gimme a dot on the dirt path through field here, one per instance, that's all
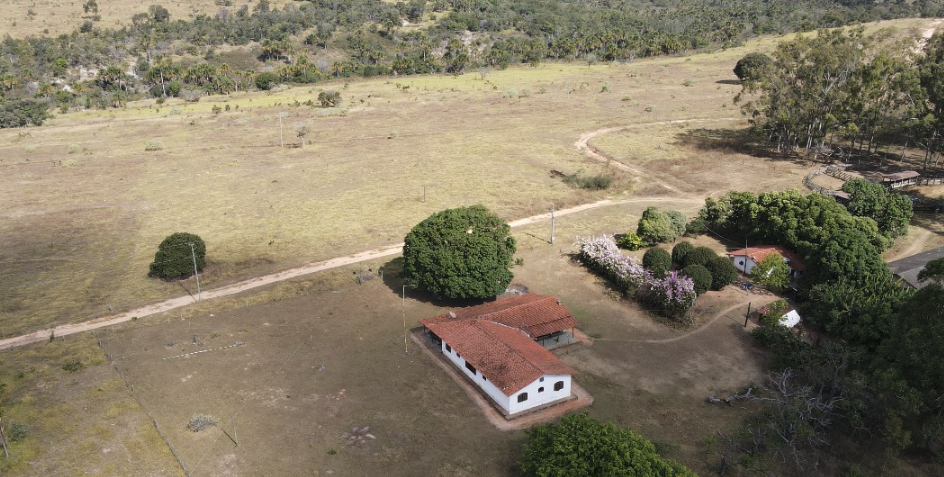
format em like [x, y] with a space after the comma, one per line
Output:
[252, 283]
[926, 35]
[583, 145]
[257, 282]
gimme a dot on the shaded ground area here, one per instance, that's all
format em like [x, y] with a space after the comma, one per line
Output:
[75, 415]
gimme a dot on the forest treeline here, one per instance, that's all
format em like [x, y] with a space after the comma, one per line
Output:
[872, 377]
[844, 92]
[156, 55]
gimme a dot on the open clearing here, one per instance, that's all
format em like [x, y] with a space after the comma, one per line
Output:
[314, 367]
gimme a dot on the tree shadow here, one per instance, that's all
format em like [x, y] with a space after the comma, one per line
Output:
[733, 141]
[391, 273]
[729, 82]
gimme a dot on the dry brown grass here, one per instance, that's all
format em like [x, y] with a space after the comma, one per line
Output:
[55, 17]
[79, 230]
[79, 423]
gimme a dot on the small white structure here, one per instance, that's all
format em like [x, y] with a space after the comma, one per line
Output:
[747, 258]
[489, 344]
[790, 319]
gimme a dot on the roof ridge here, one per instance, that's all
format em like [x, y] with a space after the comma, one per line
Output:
[508, 346]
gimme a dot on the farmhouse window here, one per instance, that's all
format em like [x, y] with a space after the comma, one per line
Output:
[541, 389]
[522, 397]
[470, 367]
[558, 385]
[542, 379]
[448, 349]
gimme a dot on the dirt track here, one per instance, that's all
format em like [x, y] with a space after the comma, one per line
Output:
[252, 283]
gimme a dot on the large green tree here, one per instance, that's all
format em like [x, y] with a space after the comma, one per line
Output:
[772, 271]
[459, 253]
[175, 257]
[910, 371]
[580, 446]
[891, 211]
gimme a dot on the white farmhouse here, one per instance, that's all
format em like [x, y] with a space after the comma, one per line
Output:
[747, 258]
[496, 346]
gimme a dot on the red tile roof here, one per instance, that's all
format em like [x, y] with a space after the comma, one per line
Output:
[536, 315]
[758, 253]
[506, 355]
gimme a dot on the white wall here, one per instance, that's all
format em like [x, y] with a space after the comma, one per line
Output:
[536, 397]
[510, 403]
[738, 262]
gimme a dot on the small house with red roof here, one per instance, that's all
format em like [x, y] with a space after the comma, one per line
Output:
[496, 346]
[747, 258]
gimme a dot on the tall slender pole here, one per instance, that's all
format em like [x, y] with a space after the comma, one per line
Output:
[403, 310]
[747, 256]
[281, 137]
[552, 224]
[193, 255]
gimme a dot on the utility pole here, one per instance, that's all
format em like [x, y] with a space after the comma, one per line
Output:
[281, 137]
[747, 316]
[552, 224]
[403, 310]
[747, 256]
[193, 255]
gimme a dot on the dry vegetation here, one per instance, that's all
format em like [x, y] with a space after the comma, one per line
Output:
[80, 422]
[83, 207]
[54, 17]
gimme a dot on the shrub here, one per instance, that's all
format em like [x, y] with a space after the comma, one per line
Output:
[265, 81]
[173, 88]
[595, 182]
[774, 312]
[700, 276]
[580, 445]
[631, 241]
[17, 113]
[73, 365]
[200, 422]
[696, 227]
[723, 272]
[601, 255]
[656, 226]
[699, 256]
[153, 145]
[329, 99]
[680, 250]
[678, 221]
[657, 260]
[674, 294]
[174, 257]
[17, 431]
[459, 253]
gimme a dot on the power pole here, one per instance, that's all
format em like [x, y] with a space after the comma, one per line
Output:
[552, 224]
[281, 137]
[193, 255]
[403, 311]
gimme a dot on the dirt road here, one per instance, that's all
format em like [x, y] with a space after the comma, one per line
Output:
[583, 145]
[252, 283]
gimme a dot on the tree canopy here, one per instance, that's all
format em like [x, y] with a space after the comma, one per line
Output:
[753, 67]
[174, 258]
[772, 271]
[656, 226]
[582, 446]
[459, 253]
[890, 210]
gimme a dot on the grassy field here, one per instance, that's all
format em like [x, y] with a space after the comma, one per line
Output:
[84, 205]
[313, 367]
[76, 420]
